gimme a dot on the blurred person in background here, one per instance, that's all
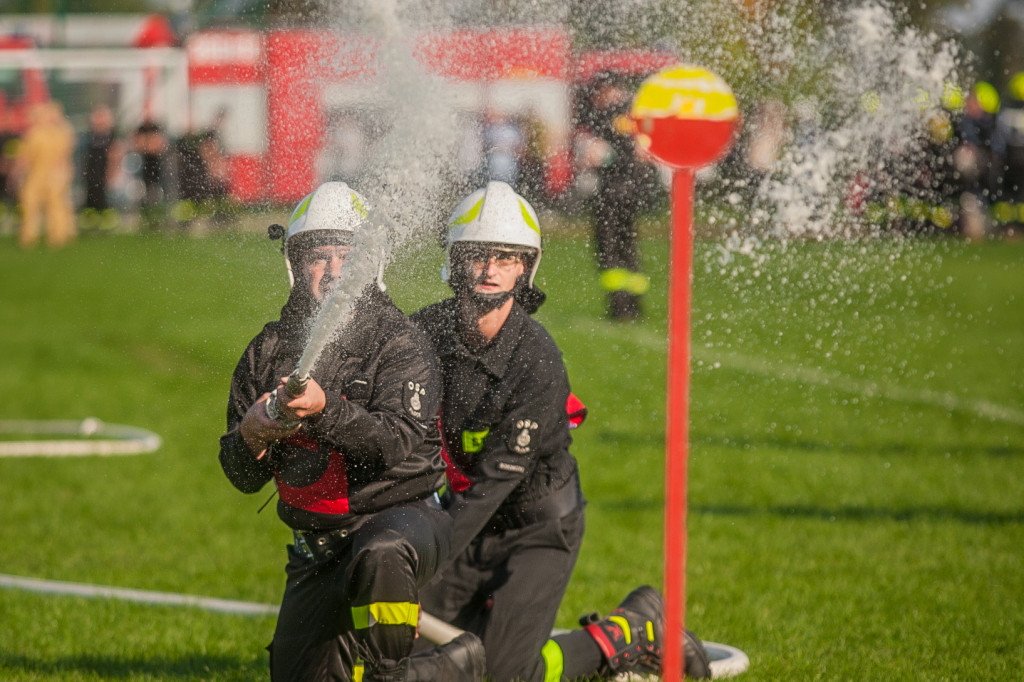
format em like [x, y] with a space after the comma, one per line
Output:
[766, 138]
[1008, 154]
[43, 169]
[974, 132]
[102, 154]
[151, 143]
[626, 186]
[532, 164]
[503, 146]
[973, 159]
[9, 140]
[203, 165]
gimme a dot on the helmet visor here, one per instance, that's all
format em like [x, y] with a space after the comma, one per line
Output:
[315, 238]
[483, 254]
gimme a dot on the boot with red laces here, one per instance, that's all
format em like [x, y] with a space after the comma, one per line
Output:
[631, 636]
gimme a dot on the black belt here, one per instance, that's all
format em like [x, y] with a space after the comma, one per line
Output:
[556, 505]
[319, 545]
[322, 544]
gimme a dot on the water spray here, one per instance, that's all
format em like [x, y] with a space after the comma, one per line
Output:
[362, 268]
[857, 51]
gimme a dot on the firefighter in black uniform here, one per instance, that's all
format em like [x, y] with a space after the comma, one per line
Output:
[518, 507]
[351, 458]
[626, 186]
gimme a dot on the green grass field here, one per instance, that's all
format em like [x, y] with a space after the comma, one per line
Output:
[856, 474]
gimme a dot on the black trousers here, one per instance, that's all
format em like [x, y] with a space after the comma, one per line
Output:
[358, 605]
[616, 207]
[506, 589]
[615, 213]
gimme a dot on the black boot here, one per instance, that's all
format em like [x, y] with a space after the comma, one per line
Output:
[623, 305]
[695, 656]
[460, 660]
[388, 671]
[631, 636]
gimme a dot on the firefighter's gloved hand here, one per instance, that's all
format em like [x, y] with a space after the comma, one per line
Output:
[309, 403]
[259, 430]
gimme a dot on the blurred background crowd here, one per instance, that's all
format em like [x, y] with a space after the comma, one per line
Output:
[122, 121]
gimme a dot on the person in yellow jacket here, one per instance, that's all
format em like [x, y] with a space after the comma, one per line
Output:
[43, 168]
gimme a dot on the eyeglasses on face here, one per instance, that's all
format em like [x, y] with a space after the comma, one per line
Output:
[323, 254]
[483, 257]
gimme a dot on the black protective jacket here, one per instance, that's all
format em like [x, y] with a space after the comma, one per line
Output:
[625, 179]
[504, 421]
[369, 448]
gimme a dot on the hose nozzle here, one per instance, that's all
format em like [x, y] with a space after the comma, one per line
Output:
[294, 387]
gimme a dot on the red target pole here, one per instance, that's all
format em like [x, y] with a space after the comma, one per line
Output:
[677, 408]
[685, 117]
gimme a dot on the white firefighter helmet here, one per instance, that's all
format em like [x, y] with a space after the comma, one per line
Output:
[494, 215]
[338, 212]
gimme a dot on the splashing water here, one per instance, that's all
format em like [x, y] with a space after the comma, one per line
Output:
[405, 177]
[416, 151]
[883, 85]
[362, 267]
[854, 89]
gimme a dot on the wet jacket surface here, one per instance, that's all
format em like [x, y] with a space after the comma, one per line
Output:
[503, 418]
[369, 448]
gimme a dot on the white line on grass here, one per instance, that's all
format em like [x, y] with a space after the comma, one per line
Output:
[815, 376]
[726, 661]
[866, 387]
[139, 596]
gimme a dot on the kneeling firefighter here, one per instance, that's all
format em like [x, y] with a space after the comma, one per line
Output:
[506, 412]
[350, 455]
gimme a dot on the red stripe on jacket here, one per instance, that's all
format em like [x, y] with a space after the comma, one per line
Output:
[328, 495]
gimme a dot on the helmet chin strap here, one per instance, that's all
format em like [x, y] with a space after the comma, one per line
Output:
[485, 303]
[464, 284]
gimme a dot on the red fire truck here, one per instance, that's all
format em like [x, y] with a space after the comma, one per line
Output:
[296, 105]
[19, 88]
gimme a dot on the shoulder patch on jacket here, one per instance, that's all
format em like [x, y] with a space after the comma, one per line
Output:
[413, 401]
[522, 435]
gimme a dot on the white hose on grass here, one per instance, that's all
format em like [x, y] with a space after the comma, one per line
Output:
[88, 436]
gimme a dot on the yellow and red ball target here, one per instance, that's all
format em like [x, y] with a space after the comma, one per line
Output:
[685, 116]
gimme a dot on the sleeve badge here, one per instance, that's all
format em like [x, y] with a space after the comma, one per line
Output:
[414, 393]
[522, 435]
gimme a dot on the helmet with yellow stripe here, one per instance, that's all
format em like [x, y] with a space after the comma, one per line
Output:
[497, 217]
[332, 214]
